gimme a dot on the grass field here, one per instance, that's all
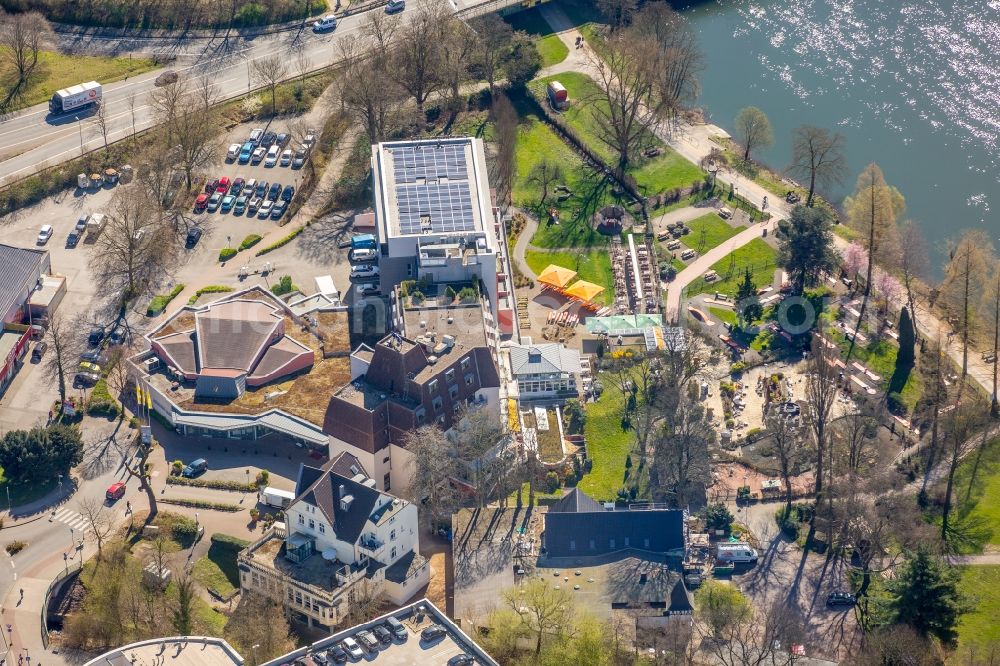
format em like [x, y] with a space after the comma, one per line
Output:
[608, 445]
[756, 254]
[980, 627]
[218, 569]
[664, 172]
[21, 493]
[536, 141]
[709, 231]
[550, 47]
[880, 357]
[56, 71]
[979, 503]
[592, 266]
[725, 315]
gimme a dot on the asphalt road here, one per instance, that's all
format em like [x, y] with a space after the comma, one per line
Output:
[32, 139]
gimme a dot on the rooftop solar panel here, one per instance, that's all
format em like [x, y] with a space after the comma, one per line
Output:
[429, 162]
[435, 207]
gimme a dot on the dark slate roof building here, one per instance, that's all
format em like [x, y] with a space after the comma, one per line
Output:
[579, 527]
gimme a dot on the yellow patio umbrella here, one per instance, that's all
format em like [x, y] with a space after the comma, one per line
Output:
[556, 276]
[583, 290]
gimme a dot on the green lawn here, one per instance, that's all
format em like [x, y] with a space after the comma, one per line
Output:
[756, 254]
[587, 20]
[56, 71]
[590, 265]
[550, 47]
[218, 568]
[22, 493]
[709, 231]
[724, 315]
[607, 445]
[982, 509]
[536, 141]
[659, 174]
[980, 626]
[880, 357]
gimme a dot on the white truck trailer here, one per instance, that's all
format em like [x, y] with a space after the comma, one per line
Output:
[76, 97]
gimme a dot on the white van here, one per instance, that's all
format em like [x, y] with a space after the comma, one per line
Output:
[688, 254]
[277, 498]
[735, 552]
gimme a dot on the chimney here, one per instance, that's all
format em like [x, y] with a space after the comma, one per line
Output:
[340, 492]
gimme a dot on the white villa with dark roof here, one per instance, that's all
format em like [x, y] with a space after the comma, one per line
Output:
[343, 539]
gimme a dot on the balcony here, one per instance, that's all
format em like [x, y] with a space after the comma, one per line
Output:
[370, 545]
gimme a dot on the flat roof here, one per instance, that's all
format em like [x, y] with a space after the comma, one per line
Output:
[174, 651]
[465, 323]
[432, 187]
[415, 618]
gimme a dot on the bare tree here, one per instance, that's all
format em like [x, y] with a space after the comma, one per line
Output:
[131, 110]
[753, 130]
[101, 121]
[912, 261]
[618, 12]
[504, 174]
[380, 30]
[23, 36]
[119, 373]
[493, 38]
[621, 108]
[417, 55]
[131, 251]
[268, 72]
[544, 174]
[100, 523]
[762, 637]
[676, 60]
[964, 285]
[899, 644]
[787, 443]
[458, 43]
[168, 103]
[197, 145]
[434, 465]
[819, 156]
[991, 303]
[61, 361]
[137, 466]
[365, 602]
[302, 62]
[259, 628]
[680, 467]
[544, 610]
[821, 395]
[961, 423]
[205, 93]
[478, 440]
[873, 211]
[366, 91]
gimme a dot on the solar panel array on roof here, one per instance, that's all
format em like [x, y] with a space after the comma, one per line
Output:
[434, 207]
[411, 163]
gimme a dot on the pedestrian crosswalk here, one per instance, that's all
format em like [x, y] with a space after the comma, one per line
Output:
[74, 520]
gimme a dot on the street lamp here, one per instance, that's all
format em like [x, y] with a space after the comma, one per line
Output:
[253, 649]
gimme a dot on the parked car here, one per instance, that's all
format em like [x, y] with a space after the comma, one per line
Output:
[73, 238]
[396, 627]
[261, 188]
[201, 203]
[840, 599]
[268, 139]
[364, 270]
[300, 158]
[115, 492]
[433, 632]
[224, 184]
[39, 350]
[166, 78]
[382, 634]
[274, 191]
[368, 640]
[44, 234]
[337, 654]
[227, 203]
[286, 157]
[118, 336]
[85, 379]
[369, 289]
[249, 186]
[194, 468]
[265, 209]
[213, 202]
[94, 356]
[81, 223]
[461, 660]
[272, 157]
[211, 186]
[288, 193]
[363, 254]
[319, 658]
[279, 209]
[246, 151]
[309, 139]
[328, 22]
[240, 206]
[255, 136]
[233, 152]
[237, 187]
[96, 336]
[352, 648]
[253, 205]
[87, 366]
[258, 155]
[283, 139]
[193, 236]
[394, 6]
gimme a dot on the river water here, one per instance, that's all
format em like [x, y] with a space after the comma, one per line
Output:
[914, 85]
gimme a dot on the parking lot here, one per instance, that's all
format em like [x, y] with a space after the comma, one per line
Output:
[414, 650]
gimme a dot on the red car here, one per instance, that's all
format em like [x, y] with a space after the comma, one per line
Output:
[211, 186]
[115, 492]
[223, 186]
[201, 203]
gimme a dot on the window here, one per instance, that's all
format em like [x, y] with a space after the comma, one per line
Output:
[385, 460]
[392, 535]
[421, 415]
[466, 363]
[450, 375]
[433, 386]
[453, 392]
[302, 520]
[385, 482]
[392, 555]
[572, 544]
[437, 404]
[312, 524]
[322, 528]
[469, 378]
